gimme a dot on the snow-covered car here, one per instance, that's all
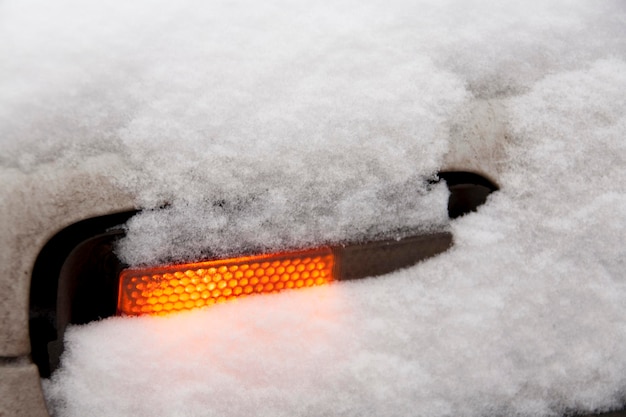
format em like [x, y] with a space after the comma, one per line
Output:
[450, 173]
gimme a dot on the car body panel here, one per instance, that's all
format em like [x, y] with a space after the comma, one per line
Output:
[33, 207]
[20, 391]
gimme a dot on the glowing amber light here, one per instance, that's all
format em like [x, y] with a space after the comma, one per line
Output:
[163, 290]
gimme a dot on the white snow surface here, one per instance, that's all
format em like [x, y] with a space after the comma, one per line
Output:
[285, 123]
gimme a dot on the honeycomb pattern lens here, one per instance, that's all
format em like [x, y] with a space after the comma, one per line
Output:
[159, 291]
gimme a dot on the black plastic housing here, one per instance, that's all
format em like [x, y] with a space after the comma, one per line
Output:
[75, 277]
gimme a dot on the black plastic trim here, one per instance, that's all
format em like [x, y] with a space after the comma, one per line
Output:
[371, 259]
[47, 317]
[468, 191]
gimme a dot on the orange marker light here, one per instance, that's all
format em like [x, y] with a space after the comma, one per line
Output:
[163, 290]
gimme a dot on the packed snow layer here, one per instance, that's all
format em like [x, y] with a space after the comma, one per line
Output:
[275, 124]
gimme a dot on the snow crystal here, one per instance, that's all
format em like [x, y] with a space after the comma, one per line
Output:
[255, 126]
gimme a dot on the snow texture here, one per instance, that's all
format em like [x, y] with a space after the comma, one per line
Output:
[283, 123]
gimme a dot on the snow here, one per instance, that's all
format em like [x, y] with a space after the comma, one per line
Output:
[282, 124]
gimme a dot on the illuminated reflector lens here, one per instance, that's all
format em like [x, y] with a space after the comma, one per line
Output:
[159, 291]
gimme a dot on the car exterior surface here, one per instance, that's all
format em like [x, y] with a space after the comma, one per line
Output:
[142, 135]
